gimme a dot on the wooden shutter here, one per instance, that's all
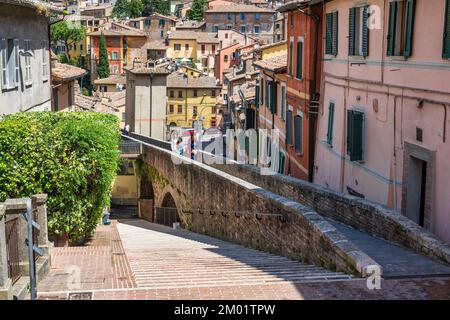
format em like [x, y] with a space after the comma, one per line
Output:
[289, 127]
[291, 51]
[3, 64]
[273, 96]
[351, 31]
[355, 135]
[298, 129]
[249, 118]
[299, 60]
[446, 51]
[409, 27]
[281, 163]
[16, 62]
[257, 93]
[365, 31]
[267, 95]
[329, 33]
[330, 123]
[391, 28]
[335, 32]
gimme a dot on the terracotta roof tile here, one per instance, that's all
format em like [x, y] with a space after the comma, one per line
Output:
[275, 64]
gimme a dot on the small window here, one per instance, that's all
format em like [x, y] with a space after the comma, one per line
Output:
[331, 33]
[186, 47]
[195, 92]
[28, 77]
[226, 35]
[216, 28]
[289, 127]
[177, 47]
[213, 93]
[213, 48]
[171, 108]
[242, 16]
[180, 94]
[229, 16]
[257, 16]
[256, 29]
[291, 52]
[243, 29]
[229, 26]
[124, 116]
[330, 123]
[203, 48]
[225, 58]
[180, 109]
[283, 102]
[114, 55]
[299, 61]
[171, 94]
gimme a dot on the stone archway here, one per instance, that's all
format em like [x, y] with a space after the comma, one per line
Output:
[167, 212]
[146, 198]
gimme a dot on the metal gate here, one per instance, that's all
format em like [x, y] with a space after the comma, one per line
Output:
[166, 216]
[12, 244]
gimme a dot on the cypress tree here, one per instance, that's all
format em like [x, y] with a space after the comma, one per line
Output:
[103, 64]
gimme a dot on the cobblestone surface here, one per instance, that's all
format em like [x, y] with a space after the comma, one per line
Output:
[120, 253]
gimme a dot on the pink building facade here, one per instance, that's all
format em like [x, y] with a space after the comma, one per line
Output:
[383, 128]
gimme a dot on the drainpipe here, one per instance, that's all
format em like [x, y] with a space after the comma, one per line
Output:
[151, 104]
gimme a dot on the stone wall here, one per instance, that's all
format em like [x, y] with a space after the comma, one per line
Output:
[238, 211]
[361, 214]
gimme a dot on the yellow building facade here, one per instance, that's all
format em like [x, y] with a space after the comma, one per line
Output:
[190, 99]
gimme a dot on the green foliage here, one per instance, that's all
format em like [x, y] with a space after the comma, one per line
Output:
[120, 9]
[196, 12]
[135, 8]
[103, 64]
[71, 156]
[63, 58]
[153, 6]
[66, 32]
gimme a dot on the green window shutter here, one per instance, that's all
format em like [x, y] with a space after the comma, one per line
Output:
[355, 135]
[329, 34]
[257, 93]
[351, 31]
[289, 127]
[273, 96]
[299, 60]
[391, 30]
[298, 132]
[365, 32]
[446, 51]
[281, 163]
[267, 94]
[330, 123]
[291, 51]
[261, 83]
[335, 32]
[409, 27]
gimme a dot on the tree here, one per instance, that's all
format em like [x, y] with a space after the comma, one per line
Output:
[153, 6]
[66, 32]
[135, 8]
[103, 64]
[120, 9]
[196, 12]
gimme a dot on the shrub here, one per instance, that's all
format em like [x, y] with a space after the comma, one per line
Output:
[73, 157]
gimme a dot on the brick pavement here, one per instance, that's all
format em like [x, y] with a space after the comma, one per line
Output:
[138, 260]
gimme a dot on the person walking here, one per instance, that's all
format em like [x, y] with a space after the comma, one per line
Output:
[180, 148]
[127, 129]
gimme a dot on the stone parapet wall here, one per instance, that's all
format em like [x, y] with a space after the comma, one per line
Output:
[235, 210]
[361, 214]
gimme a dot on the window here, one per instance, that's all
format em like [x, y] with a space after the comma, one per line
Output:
[195, 92]
[281, 163]
[225, 58]
[229, 26]
[124, 116]
[177, 47]
[81, 47]
[271, 96]
[203, 48]
[257, 94]
[256, 29]
[162, 23]
[446, 51]
[283, 102]
[213, 93]
[401, 26]
[277, 26]
[194, 110]
[242, 16]
[358, 38]
[330, 123]
[213, 48]
[291, 52]
[27, 48]
[171, 108]
[186, 47]
[10, 63]
[243, 29]
[114, 55]
[171, 94]
[299, 59]
[298, 133]
[289, 127]
[226, 35]
[257, 16]
[180, 109]
[180, 94]
[229, 17]
[355, 135]
[74, 46]
[331, 36]
[216, 28]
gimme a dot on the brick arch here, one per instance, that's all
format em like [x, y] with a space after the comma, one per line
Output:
[169, 198]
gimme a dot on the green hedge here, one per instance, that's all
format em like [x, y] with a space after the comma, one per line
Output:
[71, 156]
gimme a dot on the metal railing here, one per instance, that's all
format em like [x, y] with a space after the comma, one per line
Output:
[129, 147]
[12, 244]
[166, 216]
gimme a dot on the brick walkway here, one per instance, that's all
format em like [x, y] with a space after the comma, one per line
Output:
[135, 259]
